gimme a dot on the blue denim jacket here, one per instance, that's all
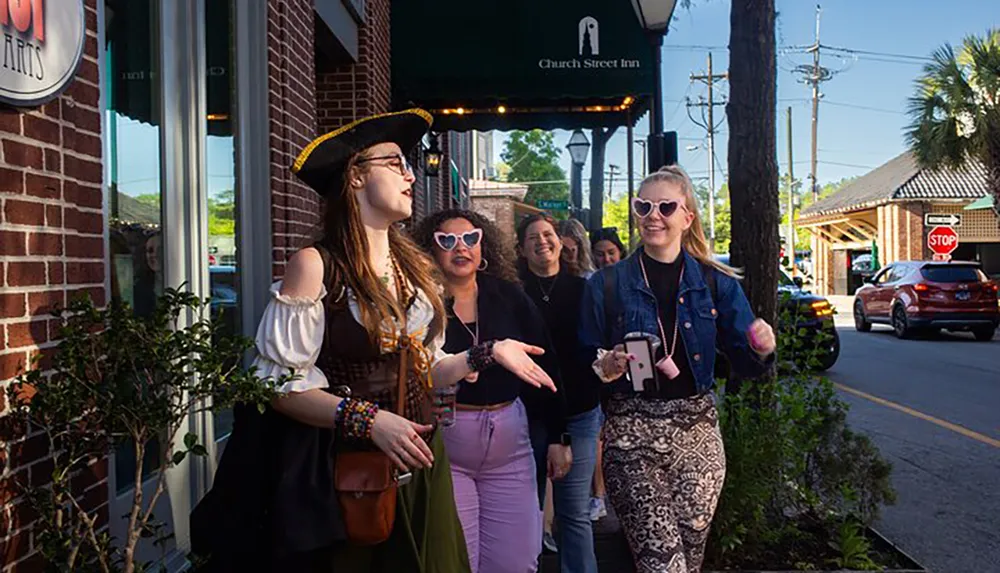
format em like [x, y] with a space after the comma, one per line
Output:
[702, 323]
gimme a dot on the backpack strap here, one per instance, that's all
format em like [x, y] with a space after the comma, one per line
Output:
[612, 311]
[708, 273]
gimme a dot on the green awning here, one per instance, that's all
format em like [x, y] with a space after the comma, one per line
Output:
[519, 64]
[133, 60]
[985, 202]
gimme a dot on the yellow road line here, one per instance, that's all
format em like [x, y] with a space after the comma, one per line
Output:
[926, 417]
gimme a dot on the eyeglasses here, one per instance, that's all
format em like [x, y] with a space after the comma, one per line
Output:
[398, 162]
[448, 241]
[643, 207]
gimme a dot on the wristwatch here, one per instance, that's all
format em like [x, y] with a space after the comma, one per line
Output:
[565, 439]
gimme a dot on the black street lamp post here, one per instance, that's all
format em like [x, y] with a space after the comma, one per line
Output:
[654, 16]
[578, 147]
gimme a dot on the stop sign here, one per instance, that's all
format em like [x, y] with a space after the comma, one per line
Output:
[942, 240]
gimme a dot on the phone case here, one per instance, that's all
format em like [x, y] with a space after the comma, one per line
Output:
[641, 370]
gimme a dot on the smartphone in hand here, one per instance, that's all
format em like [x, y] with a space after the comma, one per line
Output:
[641, 369]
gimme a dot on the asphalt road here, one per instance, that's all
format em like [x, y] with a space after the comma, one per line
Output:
[933, 407]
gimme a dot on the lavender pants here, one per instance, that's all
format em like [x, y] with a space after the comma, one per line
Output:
[493, 472]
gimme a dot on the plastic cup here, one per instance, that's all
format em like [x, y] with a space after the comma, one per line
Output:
[444, 405]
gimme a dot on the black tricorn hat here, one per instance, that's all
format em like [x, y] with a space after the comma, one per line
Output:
[321, 164]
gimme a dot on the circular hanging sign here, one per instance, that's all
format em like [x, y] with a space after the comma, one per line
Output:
[41, 48]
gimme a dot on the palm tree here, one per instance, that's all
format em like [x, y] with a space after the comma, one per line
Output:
[956, 109]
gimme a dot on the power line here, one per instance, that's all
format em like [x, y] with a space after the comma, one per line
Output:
[865, 107]
[873, 53]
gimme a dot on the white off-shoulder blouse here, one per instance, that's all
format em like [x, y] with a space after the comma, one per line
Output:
[290, 336]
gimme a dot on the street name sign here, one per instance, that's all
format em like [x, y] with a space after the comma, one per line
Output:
[942, 220]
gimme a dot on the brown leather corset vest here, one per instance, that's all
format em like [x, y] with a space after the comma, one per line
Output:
[350, 358]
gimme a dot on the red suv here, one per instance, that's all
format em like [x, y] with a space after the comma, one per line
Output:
[921, 295]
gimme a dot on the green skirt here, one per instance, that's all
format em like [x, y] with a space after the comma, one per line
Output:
[427, 536]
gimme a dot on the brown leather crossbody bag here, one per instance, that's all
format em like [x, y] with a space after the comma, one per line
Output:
[366, 481]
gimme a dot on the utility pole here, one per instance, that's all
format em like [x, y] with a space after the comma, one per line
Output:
[709, 125]
[791, 197]
[643, 144]
[814, 74]
[612, 171]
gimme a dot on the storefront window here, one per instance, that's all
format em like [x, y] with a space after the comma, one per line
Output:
[223, 190]
[134, 179]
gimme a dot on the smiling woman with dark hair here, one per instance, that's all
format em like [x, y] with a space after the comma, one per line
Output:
[558, 294]
[489, 446]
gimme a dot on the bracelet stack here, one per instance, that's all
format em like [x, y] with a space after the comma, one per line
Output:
[480, 356]
[355, 418]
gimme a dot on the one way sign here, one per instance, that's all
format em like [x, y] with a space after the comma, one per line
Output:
[942, 220]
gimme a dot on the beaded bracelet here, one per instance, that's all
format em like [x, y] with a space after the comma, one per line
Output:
[338, 414]
[480, 356]
[359, 417]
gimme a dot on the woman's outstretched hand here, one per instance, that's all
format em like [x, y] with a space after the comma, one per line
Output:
[515, 356]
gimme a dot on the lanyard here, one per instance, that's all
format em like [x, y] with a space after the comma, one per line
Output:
[663, 336]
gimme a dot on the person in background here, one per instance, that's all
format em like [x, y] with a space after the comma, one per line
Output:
[558, 294]
[607, 247]
[607, 250]
[663, 454]
[489, 446]
[576, 248]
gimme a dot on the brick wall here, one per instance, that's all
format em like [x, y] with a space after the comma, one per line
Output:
[295, 208]
[351, 91]
[51, 249]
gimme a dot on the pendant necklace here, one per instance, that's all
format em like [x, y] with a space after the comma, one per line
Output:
[474, 335]
[546, 295]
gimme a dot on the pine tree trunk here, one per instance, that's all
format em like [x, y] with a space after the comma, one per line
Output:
[753, 169]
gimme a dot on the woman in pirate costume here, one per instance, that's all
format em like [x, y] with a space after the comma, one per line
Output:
[359, 318]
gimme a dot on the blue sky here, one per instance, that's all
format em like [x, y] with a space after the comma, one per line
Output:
[851, 140]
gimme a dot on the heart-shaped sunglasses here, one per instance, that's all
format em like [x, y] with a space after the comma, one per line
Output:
[643, 207]
[448, 241]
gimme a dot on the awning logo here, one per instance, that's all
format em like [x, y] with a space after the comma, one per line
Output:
[589, 37]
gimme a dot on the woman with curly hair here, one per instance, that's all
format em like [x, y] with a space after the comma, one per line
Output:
[489, 447]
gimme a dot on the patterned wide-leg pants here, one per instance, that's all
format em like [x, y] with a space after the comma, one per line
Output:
[664, 466]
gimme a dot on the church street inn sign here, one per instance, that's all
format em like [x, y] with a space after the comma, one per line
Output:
[42, 47]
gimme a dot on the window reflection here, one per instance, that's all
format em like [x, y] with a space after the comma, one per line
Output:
[223, 190]
[133, 176]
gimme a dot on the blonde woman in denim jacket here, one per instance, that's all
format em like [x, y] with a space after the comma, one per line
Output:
[664, 462]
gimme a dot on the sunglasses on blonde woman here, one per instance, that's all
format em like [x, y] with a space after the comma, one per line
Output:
[448, 241]
[643, 207]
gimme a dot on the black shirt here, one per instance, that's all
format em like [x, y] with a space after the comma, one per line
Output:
[664, 281]
[559, 298]
[505, 312]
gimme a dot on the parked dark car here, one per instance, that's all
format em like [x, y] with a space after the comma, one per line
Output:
[801, 309]
[914, 296]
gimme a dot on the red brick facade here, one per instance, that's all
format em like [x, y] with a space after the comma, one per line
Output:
[353, 90]
[51, 249]
[295, 207]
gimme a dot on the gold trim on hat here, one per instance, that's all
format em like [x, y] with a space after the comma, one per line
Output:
[304, 155]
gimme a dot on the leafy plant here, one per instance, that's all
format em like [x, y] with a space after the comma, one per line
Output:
[795, 472]
[853, 548]
[121, 380]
